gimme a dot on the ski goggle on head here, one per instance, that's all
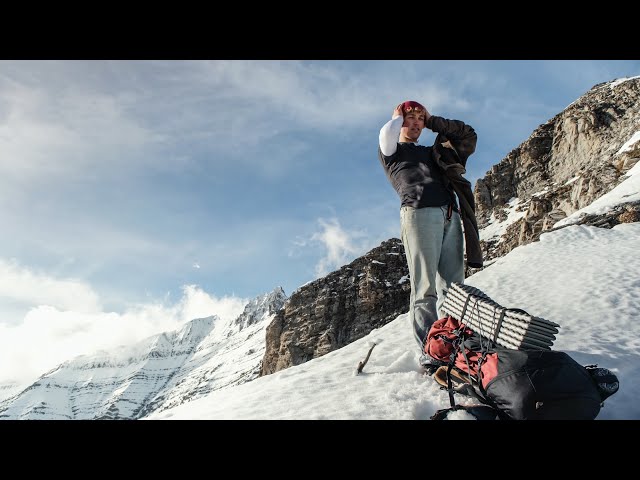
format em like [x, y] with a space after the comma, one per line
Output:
[412, 107]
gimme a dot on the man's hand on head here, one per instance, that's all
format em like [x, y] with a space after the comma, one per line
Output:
[427, 116]
[397, 112]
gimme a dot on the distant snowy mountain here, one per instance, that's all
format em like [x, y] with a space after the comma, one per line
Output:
[160, 372]
[9, 389]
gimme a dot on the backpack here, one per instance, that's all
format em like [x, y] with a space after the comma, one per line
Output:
[517, 384]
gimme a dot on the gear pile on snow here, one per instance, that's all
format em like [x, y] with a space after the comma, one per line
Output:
[508, 327]
[502, 359]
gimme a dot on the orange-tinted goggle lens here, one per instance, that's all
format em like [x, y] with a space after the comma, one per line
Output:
[411, 108]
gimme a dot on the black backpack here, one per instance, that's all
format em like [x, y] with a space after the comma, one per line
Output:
[511, 384]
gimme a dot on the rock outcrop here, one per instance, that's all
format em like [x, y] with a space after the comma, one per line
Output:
[566, 164]
[335, 310]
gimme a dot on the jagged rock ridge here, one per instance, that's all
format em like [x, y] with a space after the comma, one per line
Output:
[565, 165]
[335, 310]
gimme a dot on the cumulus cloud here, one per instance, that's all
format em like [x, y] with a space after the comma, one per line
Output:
[19, 284]
[341, 246]
[298, 90]
[49, 335]
[48, 132]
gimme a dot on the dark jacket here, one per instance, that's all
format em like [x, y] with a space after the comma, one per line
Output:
[416, 177]
[454, 143]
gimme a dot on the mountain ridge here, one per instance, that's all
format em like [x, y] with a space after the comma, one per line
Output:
[157, 373]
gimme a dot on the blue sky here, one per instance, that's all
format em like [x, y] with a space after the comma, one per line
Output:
[132, 185]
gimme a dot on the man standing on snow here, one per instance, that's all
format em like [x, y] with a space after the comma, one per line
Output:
[427, 180]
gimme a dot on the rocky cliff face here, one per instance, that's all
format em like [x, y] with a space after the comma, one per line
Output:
[565, 165]
[344, 306]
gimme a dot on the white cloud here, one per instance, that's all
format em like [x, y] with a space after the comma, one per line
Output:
[196, 303]
[22, 285]
[49, 335]
[339, 245]
[65, 133]
[298, 90]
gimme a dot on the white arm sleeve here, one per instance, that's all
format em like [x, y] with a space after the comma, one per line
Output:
[389, 135]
